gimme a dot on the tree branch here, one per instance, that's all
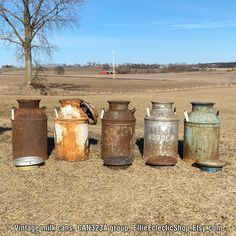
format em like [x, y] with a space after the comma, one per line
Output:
[10, 40]
[12, 26]
[36, 14]
[12, 14]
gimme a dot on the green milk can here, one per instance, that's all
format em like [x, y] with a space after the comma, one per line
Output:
[201, 137]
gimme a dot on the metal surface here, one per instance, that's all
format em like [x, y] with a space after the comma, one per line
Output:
[201, 133]
[118, 161]
[118, 127]
[161, 135]
[161, 161]
[71, 130]
[29, 130]
[28, 161]
[209, 165]
[210, 169]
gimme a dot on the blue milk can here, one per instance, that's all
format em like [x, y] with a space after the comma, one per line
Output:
[201, 137]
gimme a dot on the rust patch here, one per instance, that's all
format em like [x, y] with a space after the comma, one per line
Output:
[117, 141]
[67, 147]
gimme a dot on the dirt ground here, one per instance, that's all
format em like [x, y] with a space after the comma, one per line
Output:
[74, 194]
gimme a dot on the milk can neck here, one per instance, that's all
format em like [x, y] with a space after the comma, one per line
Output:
[28, 104]
[118, 105]
[74, 102]
[162, 105]
[200, 106]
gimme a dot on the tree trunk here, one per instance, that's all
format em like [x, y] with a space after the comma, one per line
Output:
[28, 64]
[27, 43]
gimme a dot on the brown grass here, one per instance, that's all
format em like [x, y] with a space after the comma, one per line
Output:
[88, 193]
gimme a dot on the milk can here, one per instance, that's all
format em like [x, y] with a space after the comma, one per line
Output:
[118, 128]
[71, 129]
[201, 137]
[29, 130]
[161, 135]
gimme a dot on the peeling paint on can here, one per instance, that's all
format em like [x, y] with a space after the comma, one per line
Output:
[161, 135]
[71, 131]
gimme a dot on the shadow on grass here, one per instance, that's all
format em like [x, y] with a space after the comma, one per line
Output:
[93, 141]
[51, 145]
[140, 143]
[4, 129]
[181, 148]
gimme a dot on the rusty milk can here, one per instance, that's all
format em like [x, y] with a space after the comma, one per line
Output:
[118, 128]
[201, 137]
[29, 130]
[161, 135]
[71, 129]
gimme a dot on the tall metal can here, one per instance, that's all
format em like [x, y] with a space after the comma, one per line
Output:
[29, 130]
[161, 128]
[71, 129]
[201, 135]
[118, 129]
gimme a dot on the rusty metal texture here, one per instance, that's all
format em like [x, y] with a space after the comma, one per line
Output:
[161, 161]
[118, 128]
[71, 130]
[161, 135]
[201, 135]
[29, 130]
[118, 161]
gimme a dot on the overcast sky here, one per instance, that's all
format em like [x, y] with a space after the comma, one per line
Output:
[151, 31]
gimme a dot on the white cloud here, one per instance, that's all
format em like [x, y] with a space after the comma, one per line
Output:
[204, 25]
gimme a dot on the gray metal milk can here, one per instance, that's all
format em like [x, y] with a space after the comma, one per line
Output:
[201, 137]
[118, 127]
[161, 135]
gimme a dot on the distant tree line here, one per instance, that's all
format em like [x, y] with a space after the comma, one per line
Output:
[177, 67]
[138, 67]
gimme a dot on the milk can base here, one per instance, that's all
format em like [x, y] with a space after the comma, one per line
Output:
[117, 161]
[210, 169]
[161, 161]
[28, 168]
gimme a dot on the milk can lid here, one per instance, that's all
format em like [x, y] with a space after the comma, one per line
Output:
[91, 112]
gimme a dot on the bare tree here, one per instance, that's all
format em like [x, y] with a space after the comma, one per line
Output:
[27, 24]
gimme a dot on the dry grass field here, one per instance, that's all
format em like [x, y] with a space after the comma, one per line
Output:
[71, 194]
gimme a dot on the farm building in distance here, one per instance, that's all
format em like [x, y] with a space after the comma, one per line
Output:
[106, 72]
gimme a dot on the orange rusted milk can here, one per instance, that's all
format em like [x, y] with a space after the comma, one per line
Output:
[71, 129]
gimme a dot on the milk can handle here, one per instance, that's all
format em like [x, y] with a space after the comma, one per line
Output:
[218, 115]
[43, 108]
[13, 111]
[102, 113]
[175, 110]
[56, 110]
[186, 116]
[133, 110]
[91, 112]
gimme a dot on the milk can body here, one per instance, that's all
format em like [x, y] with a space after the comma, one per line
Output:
[71, 131]
[161, 134]
[201, 133]
[29, 130]
[118, 129]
